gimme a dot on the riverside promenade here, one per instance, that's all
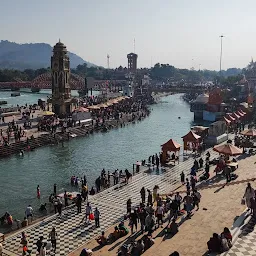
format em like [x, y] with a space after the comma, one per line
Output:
[111, 204]
[220, 207]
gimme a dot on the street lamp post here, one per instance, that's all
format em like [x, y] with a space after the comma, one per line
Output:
[221, 52]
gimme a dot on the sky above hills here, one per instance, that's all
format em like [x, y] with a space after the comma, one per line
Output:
[183, 33]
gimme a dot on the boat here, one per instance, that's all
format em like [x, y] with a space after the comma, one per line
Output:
[15, 94]
[35, 89]
[3, 102]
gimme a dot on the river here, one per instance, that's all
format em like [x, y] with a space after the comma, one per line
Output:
[26, 96]
[118, 148]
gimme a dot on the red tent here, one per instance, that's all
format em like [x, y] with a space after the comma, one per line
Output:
[171, 145]
[191, 137]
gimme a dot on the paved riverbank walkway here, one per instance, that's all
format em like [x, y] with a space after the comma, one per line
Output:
[220, 206]
[111, 204]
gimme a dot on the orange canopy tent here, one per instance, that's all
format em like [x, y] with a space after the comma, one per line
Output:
[250, 132]
[191, 137]
[170, 145]
[228, 149]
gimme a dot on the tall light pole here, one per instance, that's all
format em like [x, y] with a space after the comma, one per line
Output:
[221, 37]
[108, 60]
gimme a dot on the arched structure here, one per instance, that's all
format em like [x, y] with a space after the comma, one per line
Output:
[44, 81]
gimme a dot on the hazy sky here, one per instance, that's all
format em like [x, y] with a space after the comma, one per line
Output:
[183, 33]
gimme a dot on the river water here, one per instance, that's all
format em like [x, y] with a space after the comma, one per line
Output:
[27, 97]
[118, 148]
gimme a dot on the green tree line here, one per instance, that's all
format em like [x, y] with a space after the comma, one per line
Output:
[160, 72]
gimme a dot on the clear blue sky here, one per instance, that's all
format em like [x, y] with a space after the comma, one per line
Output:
[168, 31]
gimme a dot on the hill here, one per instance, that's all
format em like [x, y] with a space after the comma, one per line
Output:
[31, 56]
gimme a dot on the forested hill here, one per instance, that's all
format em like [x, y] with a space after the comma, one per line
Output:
[30, 56]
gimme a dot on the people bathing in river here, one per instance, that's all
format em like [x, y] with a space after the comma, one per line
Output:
[38, 193]
[6, 219]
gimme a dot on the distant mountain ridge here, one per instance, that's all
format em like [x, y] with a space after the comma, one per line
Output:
[31, 56]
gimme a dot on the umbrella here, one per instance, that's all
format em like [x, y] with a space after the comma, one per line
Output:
[48, 113]
[250, 132]
[93, 107]
[228, 149]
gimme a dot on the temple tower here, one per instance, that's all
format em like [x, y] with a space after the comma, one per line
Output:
[61, 91]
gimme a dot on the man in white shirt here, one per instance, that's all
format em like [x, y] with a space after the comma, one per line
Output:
[29, 212]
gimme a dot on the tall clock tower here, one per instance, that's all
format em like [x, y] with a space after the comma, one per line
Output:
[61, 91]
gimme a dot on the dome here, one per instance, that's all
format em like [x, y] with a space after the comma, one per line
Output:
[202, 98]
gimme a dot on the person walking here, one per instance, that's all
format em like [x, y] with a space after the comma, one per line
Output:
[79, 203]
[39, 243]
[150, 198]
[88, 211]
[43, 250]
[155, 192]
[196, 198]
[59, 206]
[24, 243]
[182, 177]
[227, 172]
[134, 220]
[143, 195]
[178, 198]
[65, 199]
[55, 204]
[129, 205]
[188, 200]
[159, 214]
[187, 185]
[248, 194]
[29, 213]
[53, 237]
[97, 217]
[193, 182]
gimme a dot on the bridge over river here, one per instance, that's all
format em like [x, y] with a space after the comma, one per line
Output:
[44, 81]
